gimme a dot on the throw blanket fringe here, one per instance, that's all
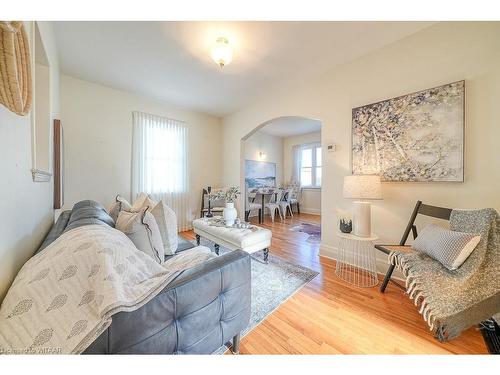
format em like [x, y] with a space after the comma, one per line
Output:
[416, 294]
[452, 301]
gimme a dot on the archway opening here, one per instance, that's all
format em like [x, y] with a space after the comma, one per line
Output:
[281, 166]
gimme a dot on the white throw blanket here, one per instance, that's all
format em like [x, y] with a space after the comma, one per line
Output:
[63, 298]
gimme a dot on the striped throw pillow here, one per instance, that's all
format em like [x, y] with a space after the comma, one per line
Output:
[448, 247]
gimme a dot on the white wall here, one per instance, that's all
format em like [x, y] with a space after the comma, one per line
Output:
[97, 123]
[311, 198]
[443, 53]
[271, 145]
[26, 205]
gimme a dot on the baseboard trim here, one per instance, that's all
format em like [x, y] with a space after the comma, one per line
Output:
[311, 211]
[330, 252]
[327, 251]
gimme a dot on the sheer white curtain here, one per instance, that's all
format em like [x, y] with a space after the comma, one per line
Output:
[160, 163]
[296, 164]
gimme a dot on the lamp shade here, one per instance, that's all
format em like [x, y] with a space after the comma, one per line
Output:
[362, 187]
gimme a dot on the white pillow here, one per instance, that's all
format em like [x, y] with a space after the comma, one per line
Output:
[143, 231]
[120, 204]
[143, 201]
[448, 247]
[167, 222]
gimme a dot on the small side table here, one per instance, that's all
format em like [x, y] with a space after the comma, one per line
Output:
[356, 262]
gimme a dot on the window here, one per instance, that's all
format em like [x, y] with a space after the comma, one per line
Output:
[160, 163]
[310, 166]
[160, 155]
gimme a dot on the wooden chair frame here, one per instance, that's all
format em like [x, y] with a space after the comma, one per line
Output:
[204, 209]
[422, 209]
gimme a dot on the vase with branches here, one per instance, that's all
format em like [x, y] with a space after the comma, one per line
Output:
[230, 195]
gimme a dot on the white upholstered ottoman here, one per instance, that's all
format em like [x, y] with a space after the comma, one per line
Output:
[250, 240]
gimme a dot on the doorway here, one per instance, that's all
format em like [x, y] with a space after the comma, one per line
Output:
[282, 164]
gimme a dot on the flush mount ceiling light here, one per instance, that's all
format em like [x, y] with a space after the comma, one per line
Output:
[222, 53]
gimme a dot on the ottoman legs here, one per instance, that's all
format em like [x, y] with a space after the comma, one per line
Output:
[198, 240]
[266, 254]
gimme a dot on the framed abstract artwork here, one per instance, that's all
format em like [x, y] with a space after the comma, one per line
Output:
[417, 137]
[260, 174]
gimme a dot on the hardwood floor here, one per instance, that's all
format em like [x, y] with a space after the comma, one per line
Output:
[328, 316]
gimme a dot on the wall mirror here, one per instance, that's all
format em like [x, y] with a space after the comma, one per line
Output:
[41, 112]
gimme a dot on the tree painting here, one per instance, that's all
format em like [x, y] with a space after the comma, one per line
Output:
[416, 137]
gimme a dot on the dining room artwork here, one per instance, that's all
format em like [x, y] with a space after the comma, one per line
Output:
[417, 137]
[260, 174]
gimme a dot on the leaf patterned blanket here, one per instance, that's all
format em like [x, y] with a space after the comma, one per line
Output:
[64, 297]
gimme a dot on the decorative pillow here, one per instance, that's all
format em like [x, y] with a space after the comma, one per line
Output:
[143, 231]
[120, 204]
[142, 202]
[167, 222]
[448, 247]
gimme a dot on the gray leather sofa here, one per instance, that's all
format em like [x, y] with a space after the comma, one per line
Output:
[198, 312]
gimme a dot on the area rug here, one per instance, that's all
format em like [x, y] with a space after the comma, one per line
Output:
[313, 230]
[272, 284]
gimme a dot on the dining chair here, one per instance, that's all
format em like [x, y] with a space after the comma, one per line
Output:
[295, 197]
[273, 204]
[285, 202]
[250, 205]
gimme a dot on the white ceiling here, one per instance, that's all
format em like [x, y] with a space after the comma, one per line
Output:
[290, 126]
[171, 61]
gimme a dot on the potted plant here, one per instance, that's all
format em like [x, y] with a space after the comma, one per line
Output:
[230, 196]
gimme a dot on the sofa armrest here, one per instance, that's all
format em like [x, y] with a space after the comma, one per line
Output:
[199, 311]
[56, 230]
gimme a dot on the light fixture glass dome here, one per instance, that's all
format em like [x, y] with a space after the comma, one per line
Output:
[222, 53]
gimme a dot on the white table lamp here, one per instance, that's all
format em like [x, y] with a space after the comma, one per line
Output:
[362, 187]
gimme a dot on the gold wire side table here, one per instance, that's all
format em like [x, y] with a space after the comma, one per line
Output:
[356, 261]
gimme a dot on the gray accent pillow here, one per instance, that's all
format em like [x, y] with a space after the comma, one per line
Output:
[448, 247]
[143, 231]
